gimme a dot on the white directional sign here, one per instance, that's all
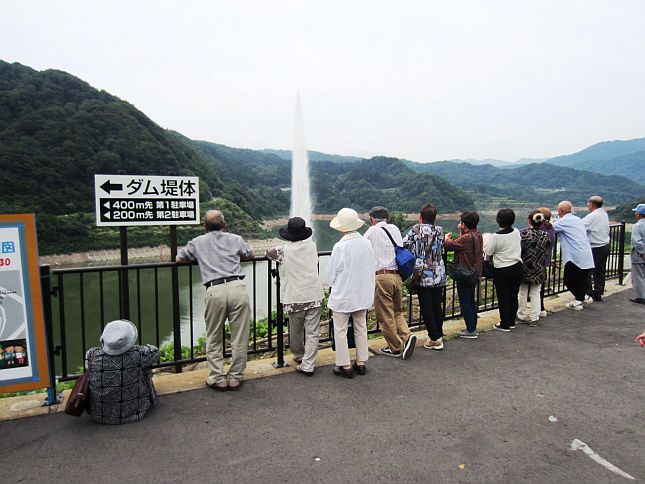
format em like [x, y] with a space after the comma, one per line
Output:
[146, 200]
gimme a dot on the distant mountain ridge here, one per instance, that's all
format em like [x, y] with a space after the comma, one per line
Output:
[538, 183]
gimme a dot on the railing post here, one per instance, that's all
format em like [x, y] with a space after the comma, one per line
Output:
[280, 323]
[621, 248]
[45, 283]
[176, 317]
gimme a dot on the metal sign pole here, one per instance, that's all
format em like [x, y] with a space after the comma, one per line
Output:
[125, 279]
[176, 318]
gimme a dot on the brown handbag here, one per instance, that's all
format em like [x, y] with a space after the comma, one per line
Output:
[79, 397]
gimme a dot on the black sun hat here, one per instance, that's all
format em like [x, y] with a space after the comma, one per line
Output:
[295, 230]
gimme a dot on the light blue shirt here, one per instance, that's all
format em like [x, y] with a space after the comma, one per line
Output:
[574, 242]
[638, 242]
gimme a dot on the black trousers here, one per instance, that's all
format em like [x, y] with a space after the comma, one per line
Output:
[576, 280]
[596, 279]
[507, 282]
[430, 300]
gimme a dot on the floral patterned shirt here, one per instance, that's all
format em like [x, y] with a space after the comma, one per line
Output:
[426, 242]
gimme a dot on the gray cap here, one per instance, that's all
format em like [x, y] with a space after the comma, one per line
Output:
[379, 213]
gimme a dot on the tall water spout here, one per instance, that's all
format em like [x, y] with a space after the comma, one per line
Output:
[300, 198]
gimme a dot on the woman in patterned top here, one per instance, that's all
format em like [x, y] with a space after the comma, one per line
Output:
[535, 247]
[425, 241]
[120, 383]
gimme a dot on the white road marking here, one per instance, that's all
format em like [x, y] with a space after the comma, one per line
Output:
[580, 445]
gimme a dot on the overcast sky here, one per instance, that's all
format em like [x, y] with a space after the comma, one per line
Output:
[425, 80]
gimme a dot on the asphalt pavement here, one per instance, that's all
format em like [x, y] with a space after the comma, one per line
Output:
[563, 402]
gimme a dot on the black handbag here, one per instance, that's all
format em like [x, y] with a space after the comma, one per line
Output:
[487, 269]
[351, 342]
[462, 275]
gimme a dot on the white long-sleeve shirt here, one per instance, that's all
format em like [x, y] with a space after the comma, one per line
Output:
[351, 274]
[597, 225]
[574, 243]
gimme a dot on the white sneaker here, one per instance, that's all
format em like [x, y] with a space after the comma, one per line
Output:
[543, 314]
[588, 300]
[575, 305]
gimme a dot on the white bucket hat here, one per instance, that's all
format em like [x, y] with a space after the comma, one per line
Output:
[118, 337]
[346, 220]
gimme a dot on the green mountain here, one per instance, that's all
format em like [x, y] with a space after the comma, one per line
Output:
[382, 181]
[624, 211]
[537, 183]
[629, 166]
[315, 156]
[359, 184]
[620, 157]
[56, 132]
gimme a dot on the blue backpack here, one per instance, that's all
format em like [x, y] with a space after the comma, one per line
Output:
[405, 260]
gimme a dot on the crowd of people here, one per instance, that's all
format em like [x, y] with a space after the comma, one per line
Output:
[363, 273]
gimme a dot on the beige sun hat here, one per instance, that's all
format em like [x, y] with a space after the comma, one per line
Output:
[346, 220]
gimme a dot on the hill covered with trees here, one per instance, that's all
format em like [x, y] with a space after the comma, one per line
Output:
[540, 183]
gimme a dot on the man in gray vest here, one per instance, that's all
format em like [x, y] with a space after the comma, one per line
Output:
[218, 254]
[597, 225]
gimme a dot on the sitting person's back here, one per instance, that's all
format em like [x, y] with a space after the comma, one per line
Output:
[120, 382]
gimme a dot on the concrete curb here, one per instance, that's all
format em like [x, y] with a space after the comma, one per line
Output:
[166, 383]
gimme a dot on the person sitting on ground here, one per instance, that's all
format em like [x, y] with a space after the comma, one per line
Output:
[576, 254]
[120, 381]
[425, 241]
[637, 255]
[548, 228]
[535, 246]
[388, 299]
[301, 292]
[505, 249]
[468, 249]
[350, 273]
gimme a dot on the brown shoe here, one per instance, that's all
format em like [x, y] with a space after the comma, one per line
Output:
[220, 386]
[433, 345]
[234, 385]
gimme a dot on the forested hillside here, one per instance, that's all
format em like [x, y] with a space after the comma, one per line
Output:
[537, 183]
[382, 181]
[56, 132]
[624, 211]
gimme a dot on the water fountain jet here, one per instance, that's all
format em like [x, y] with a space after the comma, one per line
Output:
[300, 195]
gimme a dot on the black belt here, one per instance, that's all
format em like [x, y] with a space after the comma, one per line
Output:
[215, 282]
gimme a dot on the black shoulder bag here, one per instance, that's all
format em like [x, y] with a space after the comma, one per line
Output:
[462, 275]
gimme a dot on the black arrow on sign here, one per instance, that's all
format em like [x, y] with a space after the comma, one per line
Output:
[107, 186]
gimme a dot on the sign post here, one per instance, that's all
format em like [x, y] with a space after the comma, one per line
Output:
[24, 362]
[131, 200]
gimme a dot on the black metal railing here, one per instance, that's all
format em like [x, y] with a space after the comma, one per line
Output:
[161, 300]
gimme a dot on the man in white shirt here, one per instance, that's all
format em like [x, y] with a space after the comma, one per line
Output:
[597, 225]
[388, 297]
[576, 254]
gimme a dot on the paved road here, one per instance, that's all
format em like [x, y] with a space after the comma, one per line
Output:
[484, 404]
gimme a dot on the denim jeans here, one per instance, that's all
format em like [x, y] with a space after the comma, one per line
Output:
[468, 305]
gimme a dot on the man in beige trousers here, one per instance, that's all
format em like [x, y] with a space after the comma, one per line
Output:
[218, 254]
[388, 298]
